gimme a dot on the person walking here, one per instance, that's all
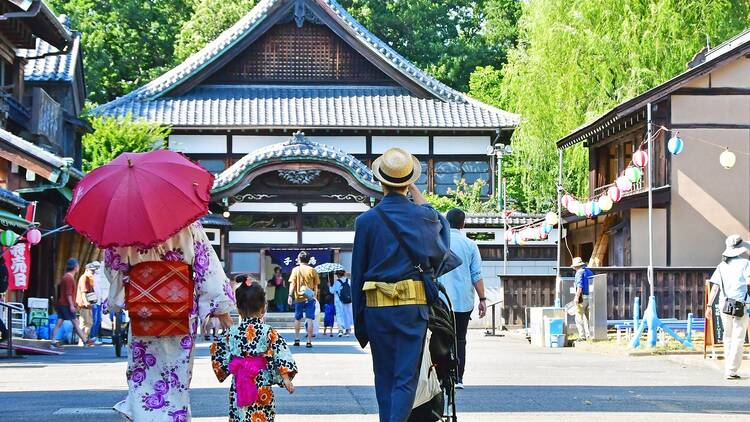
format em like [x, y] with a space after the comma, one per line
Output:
[461, 283]
[731, 279]
[66, 304]
[101, 288]
[389, 292]
[85, 299]
[280, 291]
[303, 291]
[583, 275]
[342, 291]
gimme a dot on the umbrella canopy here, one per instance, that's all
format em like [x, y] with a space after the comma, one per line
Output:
[140, 199]
[329, 267]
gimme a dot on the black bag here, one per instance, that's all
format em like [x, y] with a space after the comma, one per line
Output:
[732, 307]
[346, 291]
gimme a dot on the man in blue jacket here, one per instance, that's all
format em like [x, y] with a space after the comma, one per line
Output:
[388, 294]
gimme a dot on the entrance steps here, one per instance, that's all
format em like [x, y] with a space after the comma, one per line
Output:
[280, 320]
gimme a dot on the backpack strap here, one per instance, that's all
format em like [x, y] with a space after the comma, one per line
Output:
[402, 243]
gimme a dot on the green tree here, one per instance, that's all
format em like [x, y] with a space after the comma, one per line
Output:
[467, 197]
[447, 38]
[111, 137]
[576, 59]
[209, 18]
[126, 43]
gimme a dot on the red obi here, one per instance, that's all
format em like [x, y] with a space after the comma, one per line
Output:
[159, 297]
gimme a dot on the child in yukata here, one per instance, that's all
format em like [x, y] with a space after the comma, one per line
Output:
[329, 315]
[256, 355]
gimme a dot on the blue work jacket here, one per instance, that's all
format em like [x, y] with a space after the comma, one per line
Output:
[376, 255]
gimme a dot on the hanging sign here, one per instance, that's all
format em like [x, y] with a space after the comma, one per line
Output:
[286, 259]
[18, 262]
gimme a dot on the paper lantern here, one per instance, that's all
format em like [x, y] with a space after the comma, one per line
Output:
[8, 238]
[542, 232]
[551, 219]
[595, 208]
[675, 145]
[581, 212]
[547, 228]
[565, 200]
[640, 158]
[727, 159]
[624, 184]
[633, 174]
[614, 193]
[573, 206]
[605, 203]
[509, 236]
[34, 236]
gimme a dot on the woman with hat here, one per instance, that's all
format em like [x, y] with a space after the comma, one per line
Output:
[583, 275]
[731, 278]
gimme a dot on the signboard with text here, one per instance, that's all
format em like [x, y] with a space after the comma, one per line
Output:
[17, 261]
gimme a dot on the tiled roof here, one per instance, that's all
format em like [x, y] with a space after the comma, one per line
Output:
[11, 198]
[58, 67]
[452, 103]
[214, 220]
[515, 219]
[40, 153]
[309, 106]
[298, 147]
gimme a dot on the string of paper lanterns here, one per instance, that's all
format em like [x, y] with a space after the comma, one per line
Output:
[9, 238]
[538, 230]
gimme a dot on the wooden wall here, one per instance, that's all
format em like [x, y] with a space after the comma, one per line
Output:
[678, 290]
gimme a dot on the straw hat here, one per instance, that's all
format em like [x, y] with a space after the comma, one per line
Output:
[397, 168]
[577, 262]
[735, 246]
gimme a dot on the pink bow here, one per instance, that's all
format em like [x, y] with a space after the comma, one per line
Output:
[245, 370]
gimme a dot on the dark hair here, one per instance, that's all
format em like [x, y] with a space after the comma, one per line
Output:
[340, 273]
[329, 299]
[276, 269]
[303, 257]
[240, 279]
[456, 218]
[71, 264]
[251, 298]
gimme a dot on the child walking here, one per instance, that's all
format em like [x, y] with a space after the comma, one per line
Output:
[329, 311]
[256, 355]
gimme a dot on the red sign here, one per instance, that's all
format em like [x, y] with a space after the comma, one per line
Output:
[17, 259]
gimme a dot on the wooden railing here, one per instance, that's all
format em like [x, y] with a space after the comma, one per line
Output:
[678, 290]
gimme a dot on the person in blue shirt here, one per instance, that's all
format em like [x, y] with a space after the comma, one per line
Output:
[461, 284]
[388, 291]
[583, 275]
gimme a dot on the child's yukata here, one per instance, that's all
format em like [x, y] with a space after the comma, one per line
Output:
[253, 338]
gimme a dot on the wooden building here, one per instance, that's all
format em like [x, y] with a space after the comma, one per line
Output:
[289, 107]
[40, 133]
[697, 202]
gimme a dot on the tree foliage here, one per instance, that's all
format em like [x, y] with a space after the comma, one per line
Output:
[467, 197]
[576, 59]
[111, 137]
[126, 43]
[447, 38]
[209, 18]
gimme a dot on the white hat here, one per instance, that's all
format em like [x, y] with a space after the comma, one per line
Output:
[397, 168]
[735, 246]
[577, 262]
[94, 265]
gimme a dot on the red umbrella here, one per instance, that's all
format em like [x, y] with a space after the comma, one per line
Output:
[140, 199]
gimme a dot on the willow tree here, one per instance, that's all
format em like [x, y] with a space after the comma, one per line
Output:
[576, 59]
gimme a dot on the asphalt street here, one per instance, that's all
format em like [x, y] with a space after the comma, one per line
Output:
[506, 379]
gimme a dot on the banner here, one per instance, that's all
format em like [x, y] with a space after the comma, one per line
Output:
[17, 261]
[286, 259]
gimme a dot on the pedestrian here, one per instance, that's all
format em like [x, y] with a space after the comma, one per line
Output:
[85, 299]
[160, 366]
[342, 290]
[101, 290]
[581, 299]
[256, 355]
[280, 292]
[731, 278]
[461, 283]
[3, 288]
[66, 304]
[329, 315]
[271, 293]
[303, 291]
[389, 292]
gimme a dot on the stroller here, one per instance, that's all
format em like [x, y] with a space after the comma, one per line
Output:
[443, 349]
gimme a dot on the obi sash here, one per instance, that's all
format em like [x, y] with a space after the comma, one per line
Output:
[159, 297]
[245, 370]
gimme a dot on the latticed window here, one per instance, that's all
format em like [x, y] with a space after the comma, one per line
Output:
[447, 173]
[312, 53]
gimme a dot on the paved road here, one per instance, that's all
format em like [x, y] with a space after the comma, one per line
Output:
[506, 379]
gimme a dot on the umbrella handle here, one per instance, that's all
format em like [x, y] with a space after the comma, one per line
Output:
[200, 194]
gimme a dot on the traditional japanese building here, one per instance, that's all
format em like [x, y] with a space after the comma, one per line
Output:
[697, 201]
[41, 97]
[288, 107]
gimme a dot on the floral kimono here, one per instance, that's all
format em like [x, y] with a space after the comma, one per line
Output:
[160, 368]
[253, 338]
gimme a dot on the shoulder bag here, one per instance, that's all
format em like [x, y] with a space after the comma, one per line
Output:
[731, 306]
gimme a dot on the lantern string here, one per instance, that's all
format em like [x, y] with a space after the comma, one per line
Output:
[695, 138]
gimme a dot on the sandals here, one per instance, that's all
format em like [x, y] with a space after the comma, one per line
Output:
[296, 342]
[308, 345]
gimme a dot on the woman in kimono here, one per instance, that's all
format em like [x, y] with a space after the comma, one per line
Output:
[160, 368]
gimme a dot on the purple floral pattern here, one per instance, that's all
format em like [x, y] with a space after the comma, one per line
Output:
[186, 343]
[174, 255]
[149, 359]
[179, 415]
[201, 261]
[154, 401]
[161, 387]
[113, 260]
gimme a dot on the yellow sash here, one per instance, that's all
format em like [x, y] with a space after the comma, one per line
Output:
[404, 292]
